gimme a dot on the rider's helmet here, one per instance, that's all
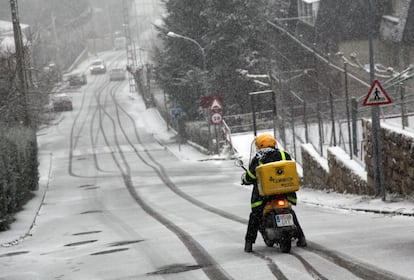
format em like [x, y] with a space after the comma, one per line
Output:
[265, 140]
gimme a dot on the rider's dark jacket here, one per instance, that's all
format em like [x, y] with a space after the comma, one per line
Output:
[263, 156]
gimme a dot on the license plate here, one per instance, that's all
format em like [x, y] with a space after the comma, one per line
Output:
[284, 220]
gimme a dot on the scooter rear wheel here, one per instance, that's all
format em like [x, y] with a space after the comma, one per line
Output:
[269, 243]
[285, 243]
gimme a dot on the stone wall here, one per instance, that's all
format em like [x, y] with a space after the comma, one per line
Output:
[397, 158]
[342, 174]
[315, 168]
[345, 174]
[338, 172]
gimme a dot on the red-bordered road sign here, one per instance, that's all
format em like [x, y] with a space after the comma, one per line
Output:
[376, 95]
[215, 105]
[216, 118]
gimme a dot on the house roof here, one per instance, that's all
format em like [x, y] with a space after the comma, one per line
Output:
[6, 27]
[342, 20]
[7, 36]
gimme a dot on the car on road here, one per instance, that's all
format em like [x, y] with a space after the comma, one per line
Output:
[98, 67]
[61, 102]
[117, 74]
[77, 79]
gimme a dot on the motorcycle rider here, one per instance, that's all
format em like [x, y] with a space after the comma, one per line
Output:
[267, 152]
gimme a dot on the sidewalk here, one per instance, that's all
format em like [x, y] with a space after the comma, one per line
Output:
[327, 199]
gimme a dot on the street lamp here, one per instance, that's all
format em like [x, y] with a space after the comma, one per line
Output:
[175, 35]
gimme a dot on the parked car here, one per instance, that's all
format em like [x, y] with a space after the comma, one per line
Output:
[77, 79]
[98, 67]
[117, 74]
[62, 102]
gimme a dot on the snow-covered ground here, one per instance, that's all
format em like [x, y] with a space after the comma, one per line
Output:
[242, 142]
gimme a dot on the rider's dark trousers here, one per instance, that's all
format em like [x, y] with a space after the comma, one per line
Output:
[254, 223]
[256, 215]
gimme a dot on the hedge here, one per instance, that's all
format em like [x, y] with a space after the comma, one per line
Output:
[19, 175]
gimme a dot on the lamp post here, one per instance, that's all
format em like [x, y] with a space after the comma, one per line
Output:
[175, 35]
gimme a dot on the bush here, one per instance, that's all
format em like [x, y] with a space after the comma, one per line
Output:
[197, 132]
[18, 171]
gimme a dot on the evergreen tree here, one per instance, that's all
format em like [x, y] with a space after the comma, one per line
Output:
[180, 66]
[231, 34]
[235, 33]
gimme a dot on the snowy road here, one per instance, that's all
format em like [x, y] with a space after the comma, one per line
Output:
[121, 205]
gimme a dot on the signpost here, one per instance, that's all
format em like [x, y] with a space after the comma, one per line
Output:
[257, 93]
[376, 140]
[176, 115]
[377, 96]
[216, 118]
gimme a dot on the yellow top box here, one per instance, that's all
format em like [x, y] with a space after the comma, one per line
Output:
[277, 177]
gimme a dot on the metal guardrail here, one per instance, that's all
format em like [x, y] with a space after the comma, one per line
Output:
[227, 137]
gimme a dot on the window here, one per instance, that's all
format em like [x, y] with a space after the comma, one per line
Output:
[308, 10]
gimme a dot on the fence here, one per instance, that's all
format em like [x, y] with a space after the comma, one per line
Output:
[333, 122]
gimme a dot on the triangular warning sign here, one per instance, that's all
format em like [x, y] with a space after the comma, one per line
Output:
[215, 105]
[376, 95]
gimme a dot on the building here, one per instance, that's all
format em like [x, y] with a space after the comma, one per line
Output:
[338, 30]
[7, 36]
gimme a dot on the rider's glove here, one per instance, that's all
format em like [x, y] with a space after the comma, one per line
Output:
[292, 198]
[242, 179]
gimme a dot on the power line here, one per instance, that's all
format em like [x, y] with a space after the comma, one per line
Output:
[293, 37]
[130, 46]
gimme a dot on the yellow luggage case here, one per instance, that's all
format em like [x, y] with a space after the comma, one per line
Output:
[277, 177]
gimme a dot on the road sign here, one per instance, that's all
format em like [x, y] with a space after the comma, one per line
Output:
[215, 105]
[205, 101]
[176, 112]
[376, 95]
[216, 118]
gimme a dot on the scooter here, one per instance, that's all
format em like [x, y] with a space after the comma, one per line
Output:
[277, 226]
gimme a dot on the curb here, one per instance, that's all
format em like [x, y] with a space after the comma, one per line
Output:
[373, 211]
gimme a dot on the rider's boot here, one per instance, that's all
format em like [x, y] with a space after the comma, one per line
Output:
[248, 246]
[301, 242]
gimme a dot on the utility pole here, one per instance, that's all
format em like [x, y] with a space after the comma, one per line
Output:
[18, 42]
[33, 172]
[376, 139]
[55, 37]
[130, 46]
[110, 27]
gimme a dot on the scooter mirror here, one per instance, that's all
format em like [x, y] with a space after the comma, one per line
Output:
[238, 163]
